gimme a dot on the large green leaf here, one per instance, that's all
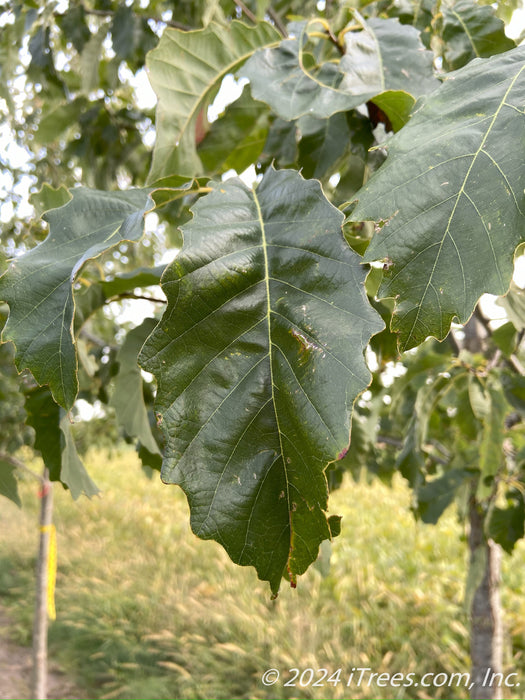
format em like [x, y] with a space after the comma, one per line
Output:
[258, 360]
[471, 31]
[451, 196]
[185, 70]
[289, 80]
[38, 286]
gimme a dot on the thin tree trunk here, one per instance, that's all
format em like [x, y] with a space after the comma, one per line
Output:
[486, 627]
[39, 674]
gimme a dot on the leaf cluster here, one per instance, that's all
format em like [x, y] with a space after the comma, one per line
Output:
[386, 131]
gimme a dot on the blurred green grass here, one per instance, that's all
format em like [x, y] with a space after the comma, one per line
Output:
[146, 610]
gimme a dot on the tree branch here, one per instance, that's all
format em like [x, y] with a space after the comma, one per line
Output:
[516, 364]
[21, 466]
[396, 442]
[130, 295]
[168, 22]
[279, 24]
[246, 11]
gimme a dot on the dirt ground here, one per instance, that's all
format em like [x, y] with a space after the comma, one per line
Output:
[15, 671]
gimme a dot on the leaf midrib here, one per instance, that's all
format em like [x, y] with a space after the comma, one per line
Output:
[264, 246]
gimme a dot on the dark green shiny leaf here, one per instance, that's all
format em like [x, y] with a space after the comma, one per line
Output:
[258, 360]
[471, 31]
[451, 194]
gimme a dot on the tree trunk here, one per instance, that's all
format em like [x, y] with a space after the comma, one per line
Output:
[39, 672]
[486, 628]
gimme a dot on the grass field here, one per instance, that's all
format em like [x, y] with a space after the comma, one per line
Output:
[146, 610]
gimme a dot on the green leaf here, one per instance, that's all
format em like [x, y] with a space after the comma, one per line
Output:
[437, 494]
[49, 198]
[479, 400]
[54, 441]
[419, 13]
[128, 396]
[373, 60]
[471, 31]
[123, 31]
[258, 360]
[90, 59]
[236, 140]
[38, 286]
[284, 79]
[149, 460]
[514, 387]
[323, 142]
[73, 24]
[505, 338]
[73, 473]
[56, 120]
[410, 461]
[43, 415]
[281, 145]
[506, 525]
[9, 482]
[397, 105]
[287, 78]
[127, 281]
[185, 70]
[451, 194]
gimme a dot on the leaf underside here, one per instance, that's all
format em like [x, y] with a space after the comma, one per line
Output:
[372, 65]
[258, 359]
[185, 69]
[451, 194]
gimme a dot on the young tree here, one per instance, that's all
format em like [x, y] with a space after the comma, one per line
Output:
[404, 115]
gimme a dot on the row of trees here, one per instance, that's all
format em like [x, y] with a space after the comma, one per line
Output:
[386, 197]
